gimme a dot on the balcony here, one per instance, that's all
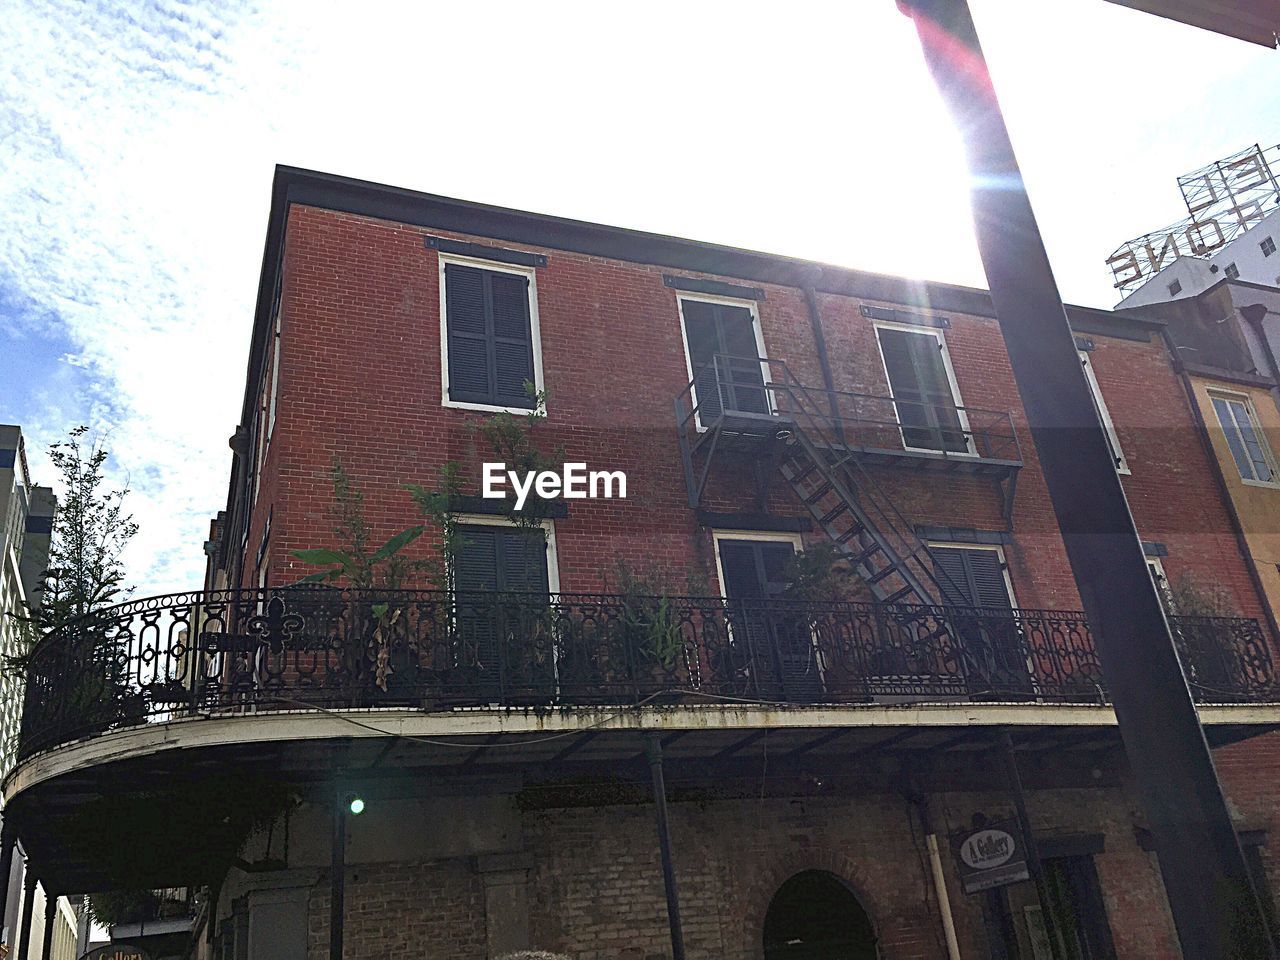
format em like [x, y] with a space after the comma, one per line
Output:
[743, 396]
[229, 653]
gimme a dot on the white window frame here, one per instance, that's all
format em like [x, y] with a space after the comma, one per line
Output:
[1122, 462]
[1263, 246]
[938, 334]
[549, 528]
[1161, 579]
[1230, 396]
[756, 328]
[535, 329]
[776, 536]
[994, 547]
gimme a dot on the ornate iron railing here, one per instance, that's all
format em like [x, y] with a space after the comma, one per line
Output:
[239, 651]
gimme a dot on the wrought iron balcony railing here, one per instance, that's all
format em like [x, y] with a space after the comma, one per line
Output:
[227, 652]
[738, 387]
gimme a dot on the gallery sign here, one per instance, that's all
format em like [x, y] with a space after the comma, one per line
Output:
[990, 857]
[116, 951]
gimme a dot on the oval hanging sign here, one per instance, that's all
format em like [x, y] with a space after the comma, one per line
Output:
[990, 856]
[987, 849]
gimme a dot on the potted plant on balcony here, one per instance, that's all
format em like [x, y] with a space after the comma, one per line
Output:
[1201, 617]
[377, 613]
[652, 632]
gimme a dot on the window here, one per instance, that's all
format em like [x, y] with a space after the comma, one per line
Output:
[500, 557]
[1232, 271]
[489, 335]
[1175, 288]
[1268, 247]
[1104, 416]
[972, 576]
[722, 339]
[1244, 438]
[1161, 580]
[922, 384]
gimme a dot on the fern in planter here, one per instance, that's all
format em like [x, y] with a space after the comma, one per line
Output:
[651, 625]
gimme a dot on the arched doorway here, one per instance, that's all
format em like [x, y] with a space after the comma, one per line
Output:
[815, 916]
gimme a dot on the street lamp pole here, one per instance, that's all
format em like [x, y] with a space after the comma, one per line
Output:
[1215, 908]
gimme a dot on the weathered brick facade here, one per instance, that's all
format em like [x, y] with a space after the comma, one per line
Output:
[359, 382]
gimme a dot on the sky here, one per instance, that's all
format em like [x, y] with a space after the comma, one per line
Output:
[138, 140]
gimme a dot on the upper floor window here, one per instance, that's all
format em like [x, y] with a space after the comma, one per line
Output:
[972, 576]
[489, 335]
[926, 400]
[1244, 437]
[725, 351]
[1268, 247]
[1175, 288]
[1232, 272]
[1113, 441]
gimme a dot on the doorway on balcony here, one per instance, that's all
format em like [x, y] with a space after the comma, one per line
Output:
[725, 350]
[775, 634]
[978, 596]
[815, 916]
[504, 644]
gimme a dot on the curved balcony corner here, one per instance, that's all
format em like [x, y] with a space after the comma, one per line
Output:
[232, 653]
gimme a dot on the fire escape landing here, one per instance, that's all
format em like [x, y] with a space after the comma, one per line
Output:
[821, 443]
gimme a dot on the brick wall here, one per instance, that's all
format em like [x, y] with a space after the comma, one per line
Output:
[361, 382]
[404, 911]
[596, 891]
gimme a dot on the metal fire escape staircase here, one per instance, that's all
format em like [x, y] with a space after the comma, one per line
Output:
[812, 453]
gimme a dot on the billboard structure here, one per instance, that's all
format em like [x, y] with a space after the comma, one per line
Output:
[1223, 199]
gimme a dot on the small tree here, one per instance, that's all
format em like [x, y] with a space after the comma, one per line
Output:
[90, 532]
[84, 577]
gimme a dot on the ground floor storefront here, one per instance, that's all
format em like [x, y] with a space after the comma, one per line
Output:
[769, 870]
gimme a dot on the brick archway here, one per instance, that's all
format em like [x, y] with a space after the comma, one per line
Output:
[763, 888]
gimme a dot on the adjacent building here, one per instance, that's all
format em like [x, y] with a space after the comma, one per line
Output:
[26, 523]
[780, 700]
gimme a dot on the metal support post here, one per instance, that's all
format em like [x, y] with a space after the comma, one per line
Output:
[1214, 906]
[653, 751]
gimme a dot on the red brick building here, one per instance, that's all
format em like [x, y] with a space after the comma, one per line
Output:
[825, 730]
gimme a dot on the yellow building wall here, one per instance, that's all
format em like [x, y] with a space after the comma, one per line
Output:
[1258, 506]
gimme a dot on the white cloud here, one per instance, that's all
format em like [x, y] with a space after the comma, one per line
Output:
[137, 143]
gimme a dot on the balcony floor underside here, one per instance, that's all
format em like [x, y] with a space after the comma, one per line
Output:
[163, 787]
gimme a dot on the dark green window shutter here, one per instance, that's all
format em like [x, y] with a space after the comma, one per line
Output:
[971, 577]
[476, 562]
[498, 558]
[490, 336]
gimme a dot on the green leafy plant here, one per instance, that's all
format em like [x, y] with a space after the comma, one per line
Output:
[115, 907]
[650, 619]
[820, 574]
[512, 439]
[84, 577]
[354, 561]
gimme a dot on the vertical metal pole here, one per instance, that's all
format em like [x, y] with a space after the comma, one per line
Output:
[653, 751]
[50, 915]
[337, 880]
[1210, 892]
[1029, 841]
[8, 841]
[28, 908]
